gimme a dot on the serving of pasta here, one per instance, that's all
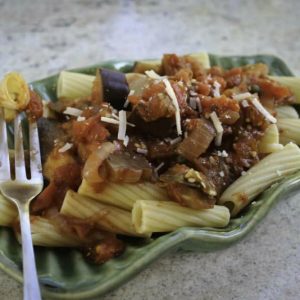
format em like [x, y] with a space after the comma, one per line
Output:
[174, 143]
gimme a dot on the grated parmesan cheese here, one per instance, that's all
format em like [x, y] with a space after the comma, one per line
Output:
[126, 103]
[80, 119]
[126, 141]
[65, 147]
[159, 167]
[114, 121]
[245, 103]
[224, 153]
[222, 174]
[175, 141]
[72, 111]
[122, 125]
[218, 127]
[153, 75]
[109, 120]
[263, 111]
[173, 97]
[142, 151]
[114, 116]
[216, 89]
[242, 96]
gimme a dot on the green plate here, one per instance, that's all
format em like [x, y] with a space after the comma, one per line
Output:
[64, 274]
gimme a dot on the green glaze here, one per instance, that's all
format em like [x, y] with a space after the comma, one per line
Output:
[64, 274]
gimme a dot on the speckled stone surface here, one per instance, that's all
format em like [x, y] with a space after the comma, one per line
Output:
[40, 38]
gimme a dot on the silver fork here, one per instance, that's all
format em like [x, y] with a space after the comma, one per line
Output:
[21, 191]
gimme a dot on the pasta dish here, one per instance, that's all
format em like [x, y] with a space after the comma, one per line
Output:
[174, 143]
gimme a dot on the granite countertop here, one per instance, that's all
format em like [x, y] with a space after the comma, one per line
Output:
[40, 38]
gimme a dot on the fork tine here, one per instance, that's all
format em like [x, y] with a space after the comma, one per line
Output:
[19, 150]
[35, 154]
[4, 154]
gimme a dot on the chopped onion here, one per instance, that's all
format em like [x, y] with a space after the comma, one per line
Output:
[66, 147]
[95, 160]
[72, 111]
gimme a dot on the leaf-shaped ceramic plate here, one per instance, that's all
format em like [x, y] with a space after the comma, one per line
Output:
[64, 273]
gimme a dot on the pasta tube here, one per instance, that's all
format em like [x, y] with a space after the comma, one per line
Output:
[14, 92]
[202, 57]
[286, 112]
[270, 141]
[145, 65]
[124, 195]
[291, 82]
[289, 130]
[269, 170]
[8, 212]
[44, 233]
[109, 218]
[165, 216]
[74, 85]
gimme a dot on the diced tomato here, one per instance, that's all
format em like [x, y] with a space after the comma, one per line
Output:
[89, 130]
[34, 109]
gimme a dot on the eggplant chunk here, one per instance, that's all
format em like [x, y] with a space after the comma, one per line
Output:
[198, 140]
[115, 87]
[122, 167]
[49, 130]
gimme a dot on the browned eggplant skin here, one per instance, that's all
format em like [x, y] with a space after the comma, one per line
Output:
[115, 88]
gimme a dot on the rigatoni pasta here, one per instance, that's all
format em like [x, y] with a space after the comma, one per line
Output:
[123, 195]
[291, 82]
[46, 234]
[8, 212]
[269, 170]
[286, 112]
[173, 143]
[107, 217]
[73, 85]
[270, 141]
[165, 216]
[289, 130]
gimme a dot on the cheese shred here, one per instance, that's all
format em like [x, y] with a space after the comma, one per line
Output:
[72, 111]
[218, 127]
[173, 97]
[263, 111]
[122, 125]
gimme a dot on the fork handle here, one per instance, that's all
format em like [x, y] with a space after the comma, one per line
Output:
[30, 278]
